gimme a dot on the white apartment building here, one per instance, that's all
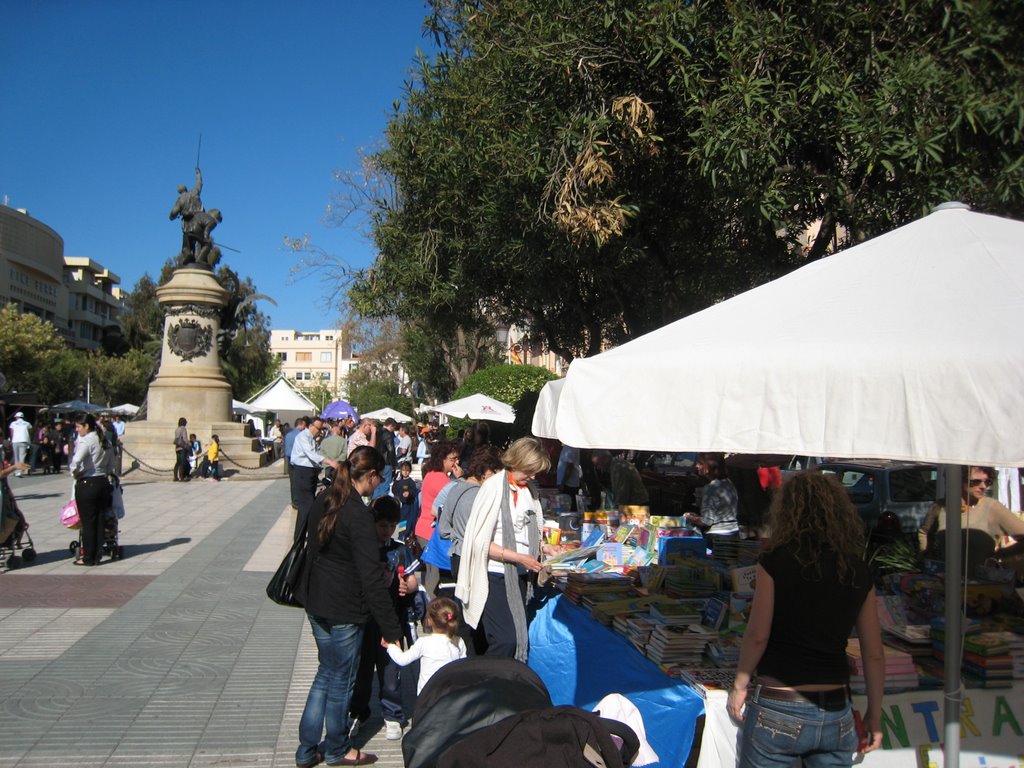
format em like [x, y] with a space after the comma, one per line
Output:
[313, 357]
[77, 295]
[94, 300]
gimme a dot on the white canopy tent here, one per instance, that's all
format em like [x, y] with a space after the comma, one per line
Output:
[905, 347]
[547, 410]
[125, 409]
[479, 407]
[282, 398]
[388, 413]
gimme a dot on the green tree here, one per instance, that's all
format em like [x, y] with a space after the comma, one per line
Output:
[34, 358]
[591, 171]
[116, 380]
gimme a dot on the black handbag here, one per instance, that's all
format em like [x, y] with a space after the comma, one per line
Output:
[284, 582]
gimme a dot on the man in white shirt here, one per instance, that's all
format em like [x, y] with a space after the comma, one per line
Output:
[306, 462]
[21, 439]
[403, 444]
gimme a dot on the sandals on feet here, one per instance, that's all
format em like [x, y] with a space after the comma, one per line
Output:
[361, 758]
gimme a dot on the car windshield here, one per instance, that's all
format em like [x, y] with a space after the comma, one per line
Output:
[860, 485]
[913, 484]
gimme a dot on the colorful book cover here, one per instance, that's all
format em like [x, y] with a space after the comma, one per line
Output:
[715, 613]
[739, 609]
[743, 578]
[610, 553]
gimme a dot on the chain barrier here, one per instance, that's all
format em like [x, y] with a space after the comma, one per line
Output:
[141, 463]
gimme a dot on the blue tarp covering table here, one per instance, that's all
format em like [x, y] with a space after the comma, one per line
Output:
[581, 662]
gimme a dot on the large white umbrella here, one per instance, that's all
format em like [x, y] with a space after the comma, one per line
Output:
[547, 409]
[125, 409]
[906, 347]
[479, 407]
[382, 414]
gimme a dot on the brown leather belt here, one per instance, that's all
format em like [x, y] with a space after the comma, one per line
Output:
[833, 698]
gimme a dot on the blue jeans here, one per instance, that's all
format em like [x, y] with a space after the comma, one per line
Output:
[775, 732]
[338, 647]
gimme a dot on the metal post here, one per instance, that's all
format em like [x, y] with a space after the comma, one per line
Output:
[954, 639]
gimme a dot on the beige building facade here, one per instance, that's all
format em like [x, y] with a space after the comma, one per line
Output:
[32, 268]
[77, 295]
[94, 300]
[309, 358]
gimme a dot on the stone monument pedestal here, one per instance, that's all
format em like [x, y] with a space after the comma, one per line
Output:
[190, 382]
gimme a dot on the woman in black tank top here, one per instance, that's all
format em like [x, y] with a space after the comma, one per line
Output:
[812, 588]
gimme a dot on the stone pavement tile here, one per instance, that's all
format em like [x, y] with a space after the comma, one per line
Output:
[199, 668]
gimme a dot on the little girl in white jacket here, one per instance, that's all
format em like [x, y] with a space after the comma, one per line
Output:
[437, 649]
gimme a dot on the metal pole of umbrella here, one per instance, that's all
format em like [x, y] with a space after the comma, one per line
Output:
[953, 636]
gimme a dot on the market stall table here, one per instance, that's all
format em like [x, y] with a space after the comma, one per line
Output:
[581, 661]
[991, 721]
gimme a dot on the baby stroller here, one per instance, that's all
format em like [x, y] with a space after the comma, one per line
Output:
[465, 696]
[14, 528]
[110, 546]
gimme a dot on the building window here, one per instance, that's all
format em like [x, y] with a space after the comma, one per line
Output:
[325, 357]
[352, 367]
[303, 357]
[282, 356]
[325, 376]
[328, 338]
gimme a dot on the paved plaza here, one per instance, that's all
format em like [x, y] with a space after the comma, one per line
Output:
[172, 656]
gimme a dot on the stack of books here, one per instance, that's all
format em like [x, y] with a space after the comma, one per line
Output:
[987, 659]
[607, 611]
[704, 679]
[900, 674]
[915, 639]
[724, 651]
[674, 645]
[579, 584]
[678, 612]
[636, 628]
[696, 577]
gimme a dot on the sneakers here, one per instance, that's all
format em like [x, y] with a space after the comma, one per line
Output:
[392, 730]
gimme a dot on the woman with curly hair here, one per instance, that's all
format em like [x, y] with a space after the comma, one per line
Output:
[812, 588]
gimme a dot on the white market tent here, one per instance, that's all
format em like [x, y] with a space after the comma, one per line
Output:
[281, 397]
[906, 347]
[479, 407]
[388, 413]
[125, 409]
[547, 409]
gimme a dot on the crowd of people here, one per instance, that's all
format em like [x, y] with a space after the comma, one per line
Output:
[46, 445]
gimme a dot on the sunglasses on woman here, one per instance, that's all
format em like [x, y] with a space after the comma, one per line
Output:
[986, 482]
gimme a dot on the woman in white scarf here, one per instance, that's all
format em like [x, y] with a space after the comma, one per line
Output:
[502, 548]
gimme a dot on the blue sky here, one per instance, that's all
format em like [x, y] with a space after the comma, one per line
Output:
[103, 102]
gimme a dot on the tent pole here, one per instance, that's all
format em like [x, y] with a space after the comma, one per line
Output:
[954, 638]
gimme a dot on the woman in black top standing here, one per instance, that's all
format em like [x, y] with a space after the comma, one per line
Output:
[812, 588]
[346, 587]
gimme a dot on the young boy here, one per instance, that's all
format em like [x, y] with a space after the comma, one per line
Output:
[213, 459]
[404, 489]
[385, 515]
